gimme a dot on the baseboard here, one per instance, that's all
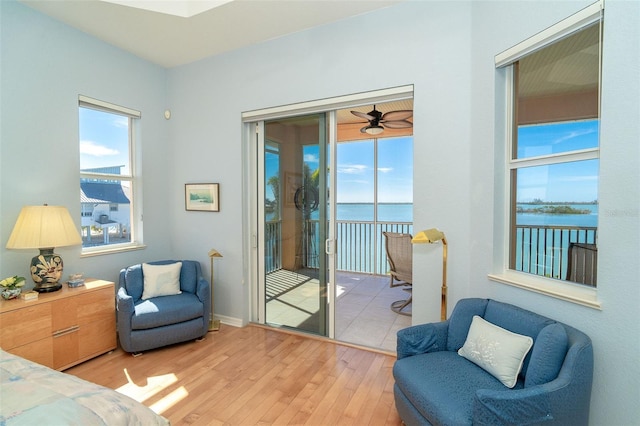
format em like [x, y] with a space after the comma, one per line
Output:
[234, 322]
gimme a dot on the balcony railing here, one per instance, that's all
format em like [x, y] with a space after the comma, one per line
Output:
[540, 250]
[359, 245]
[544, 250]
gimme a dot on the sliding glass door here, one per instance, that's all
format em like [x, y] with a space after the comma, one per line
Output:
[290, 205]
[294, 265]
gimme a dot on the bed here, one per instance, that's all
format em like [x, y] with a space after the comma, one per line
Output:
[32, 394]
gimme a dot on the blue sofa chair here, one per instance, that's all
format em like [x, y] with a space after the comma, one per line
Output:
[153, 322]
[434, 385]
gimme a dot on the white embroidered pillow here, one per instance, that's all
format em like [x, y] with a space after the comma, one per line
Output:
[498, 351]
[161, 280]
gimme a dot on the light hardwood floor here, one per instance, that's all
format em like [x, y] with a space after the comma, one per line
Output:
[254, 376]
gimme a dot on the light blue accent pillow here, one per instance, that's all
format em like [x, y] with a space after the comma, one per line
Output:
[547, 355]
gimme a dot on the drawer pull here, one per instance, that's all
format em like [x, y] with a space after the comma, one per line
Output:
[71, 329]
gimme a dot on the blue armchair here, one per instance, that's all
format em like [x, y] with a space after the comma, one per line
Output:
[147, 321]
[436, 385]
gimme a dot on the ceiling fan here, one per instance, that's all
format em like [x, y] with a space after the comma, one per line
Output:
[390, 120]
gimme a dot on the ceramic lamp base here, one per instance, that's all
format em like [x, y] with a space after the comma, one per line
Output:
[46, 271]
[47, 288]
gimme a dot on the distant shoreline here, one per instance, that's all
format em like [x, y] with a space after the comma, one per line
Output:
[558, 209]
[561, 203]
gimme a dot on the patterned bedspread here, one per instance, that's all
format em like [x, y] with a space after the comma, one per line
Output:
[31, 394]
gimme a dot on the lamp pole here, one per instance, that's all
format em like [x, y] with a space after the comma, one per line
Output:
[443, 307]
[214, 325]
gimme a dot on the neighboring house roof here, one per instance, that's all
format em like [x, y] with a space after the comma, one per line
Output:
[102, 193]
[85, 199]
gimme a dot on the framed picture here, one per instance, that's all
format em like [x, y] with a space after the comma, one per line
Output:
[292, 182]
[202, 197]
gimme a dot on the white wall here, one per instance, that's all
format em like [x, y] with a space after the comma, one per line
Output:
[413, 45]
[615, 330]
[445, 49]
[45, 66]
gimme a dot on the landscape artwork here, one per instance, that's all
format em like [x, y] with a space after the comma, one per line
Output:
[202, 197]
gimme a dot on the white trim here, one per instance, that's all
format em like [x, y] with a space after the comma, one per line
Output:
[564, 290]
[133, 177]
[88, 102]
[258, 235]
[559, 289]
[323, 105]
[560, 158]
[573, 23]
[332, 228]
[230, 321]
[110, 249]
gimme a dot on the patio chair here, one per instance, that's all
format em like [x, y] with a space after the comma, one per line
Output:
[583, 262]
[400, 257]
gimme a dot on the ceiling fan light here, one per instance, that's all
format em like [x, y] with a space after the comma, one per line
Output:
[374, 130]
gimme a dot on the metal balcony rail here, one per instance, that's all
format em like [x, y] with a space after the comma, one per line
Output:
[544, 250]
[359, 245]
[539, 250]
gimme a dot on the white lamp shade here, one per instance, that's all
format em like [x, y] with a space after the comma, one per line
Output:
[43, 227]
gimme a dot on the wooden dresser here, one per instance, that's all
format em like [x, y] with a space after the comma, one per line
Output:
[62, 328]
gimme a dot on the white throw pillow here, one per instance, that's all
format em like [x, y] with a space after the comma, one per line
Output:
[161, 280]
[498, 351]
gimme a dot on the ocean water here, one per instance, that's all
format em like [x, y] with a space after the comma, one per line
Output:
[356, 241]
[403, 212]
[387, 212]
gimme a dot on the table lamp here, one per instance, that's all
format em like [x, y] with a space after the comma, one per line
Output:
[214, 325]
[43, 228]
[431, 236]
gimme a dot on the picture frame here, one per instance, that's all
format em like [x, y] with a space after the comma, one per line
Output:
[202, 197]
[292, 181]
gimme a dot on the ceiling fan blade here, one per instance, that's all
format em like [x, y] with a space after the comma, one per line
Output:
[363, 115]
[398, 124]
[397, 115]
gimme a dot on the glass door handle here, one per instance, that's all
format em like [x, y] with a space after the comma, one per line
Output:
[328, 246]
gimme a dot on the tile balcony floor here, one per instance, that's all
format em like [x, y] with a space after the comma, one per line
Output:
[363, 314]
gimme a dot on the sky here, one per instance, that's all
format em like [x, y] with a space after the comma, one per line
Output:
[355, 172]
[567, 182]
[104, 140]
[356, 169]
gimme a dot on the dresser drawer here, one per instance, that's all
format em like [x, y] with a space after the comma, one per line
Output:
[62, 328]
[40, 351]
[25, 325]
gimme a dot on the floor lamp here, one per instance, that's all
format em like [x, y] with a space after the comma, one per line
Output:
[433, 236]
[214, 325]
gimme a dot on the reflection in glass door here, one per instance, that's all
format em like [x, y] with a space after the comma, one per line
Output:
[295, 223]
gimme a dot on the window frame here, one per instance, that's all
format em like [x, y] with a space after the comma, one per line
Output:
[504, 61]
[132, 177]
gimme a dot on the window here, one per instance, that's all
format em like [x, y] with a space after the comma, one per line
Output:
[553, 153]
[374, 187]
[107, 176]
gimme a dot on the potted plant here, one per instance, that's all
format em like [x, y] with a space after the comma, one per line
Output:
[11, 287]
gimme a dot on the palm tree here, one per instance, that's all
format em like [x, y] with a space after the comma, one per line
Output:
[274, 183]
